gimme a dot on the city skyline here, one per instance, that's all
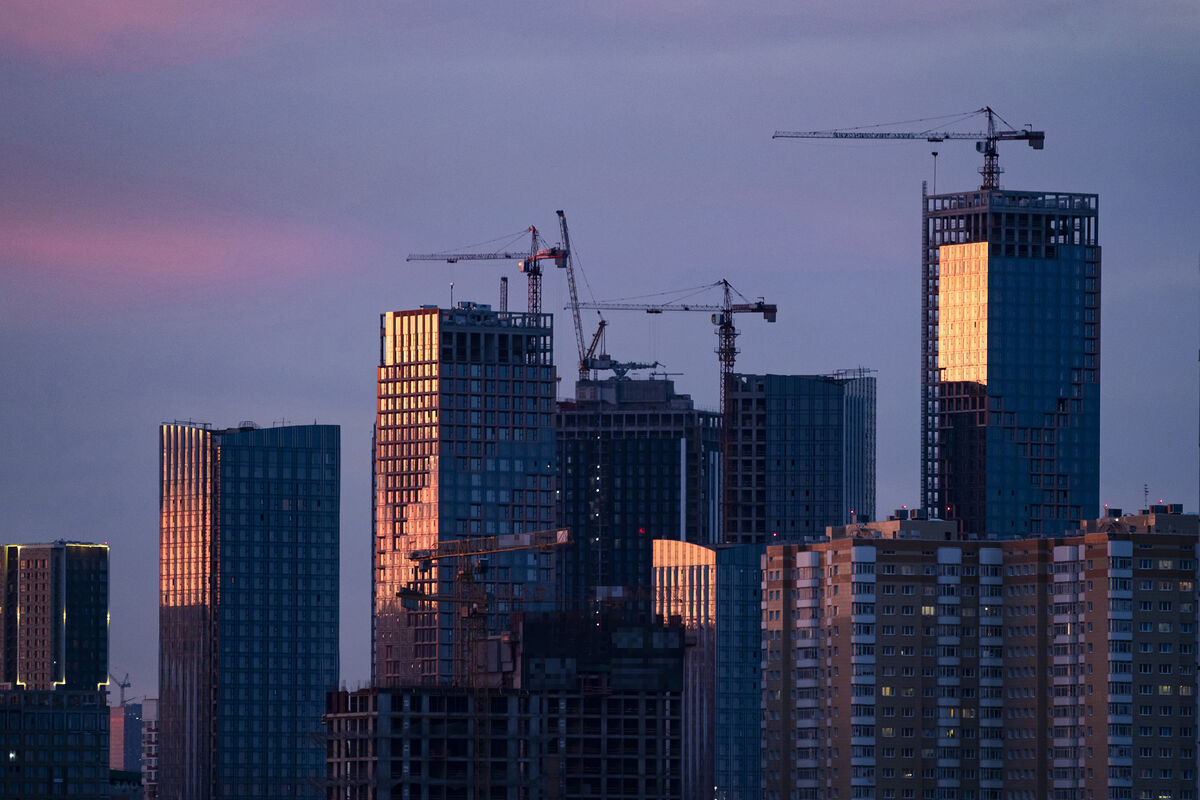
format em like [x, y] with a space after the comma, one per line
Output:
[235, 192]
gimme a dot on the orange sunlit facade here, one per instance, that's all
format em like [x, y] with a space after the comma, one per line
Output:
[963, 309]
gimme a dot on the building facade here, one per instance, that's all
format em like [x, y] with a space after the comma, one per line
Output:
[802, 455]
[125, 737]
[902, 659]
[463, 447]
[637, 462]
[150, 749]
[714, 592]
[54, 616]
[1010, 360]
[248, 608]
[55, 744]
[596, 717]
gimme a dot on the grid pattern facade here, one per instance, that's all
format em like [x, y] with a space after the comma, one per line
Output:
[463, 447]
[417, 743]
[1010, 372]
[637, 463]
[802, 455]
[55, 744]
[905, 664]
[248, 608]
[54, 616]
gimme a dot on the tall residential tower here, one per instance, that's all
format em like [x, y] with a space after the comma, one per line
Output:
[1010, 360]
[248, 607]
[464, 448]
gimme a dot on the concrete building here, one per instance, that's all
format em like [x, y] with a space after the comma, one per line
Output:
[637, 462]
[802, 455]
[150, 749]
[596, 715]
[463, 447]
[904, 659]
[1010, 360]
[714, 592]
[54, 616]
[248, 608]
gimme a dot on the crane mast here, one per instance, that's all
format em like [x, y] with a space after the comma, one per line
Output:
[985, 142]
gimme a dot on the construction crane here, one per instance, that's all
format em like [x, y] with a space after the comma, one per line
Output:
[529, 262]
[122, 684]
[723, 318]
[593, 361]
[985, 142]
[470, 629]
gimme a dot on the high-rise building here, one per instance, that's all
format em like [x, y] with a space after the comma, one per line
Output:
[637, 462]
[1010, 360]
[802, 455]
[463, 447]
[714, 591]
[907, 659]
[248, 608]
[125, 737]
[54, 617]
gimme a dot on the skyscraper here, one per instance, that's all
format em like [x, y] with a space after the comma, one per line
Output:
[637, 462]
[463, 447]
[1010, 360]
[54, 615]
[248, 608]
[802, 455]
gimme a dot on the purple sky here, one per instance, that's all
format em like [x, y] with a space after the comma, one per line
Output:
[206, 205]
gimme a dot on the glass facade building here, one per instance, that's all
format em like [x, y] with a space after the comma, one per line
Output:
[638, 462]
[463, 448]
[1010, 373]
[715, 592]
[248, 609]
[802, 455]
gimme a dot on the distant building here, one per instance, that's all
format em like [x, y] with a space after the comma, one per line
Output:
[248, 614]
[125, 737]
[1010, 360]
[802, 455]
[637, 462]
[463, 447]
[597, 716]
[150, 749]
[714, 591]
[54, 615]
[905, 657]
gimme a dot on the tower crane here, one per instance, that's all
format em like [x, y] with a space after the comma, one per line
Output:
[528, 262]
[985, 142]
[122, 684]
[723, 318]
[593, 361]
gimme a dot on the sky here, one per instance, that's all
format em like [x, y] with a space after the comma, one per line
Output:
[205, 207]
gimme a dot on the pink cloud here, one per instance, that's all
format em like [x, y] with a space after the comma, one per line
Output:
[133, 250]
[133, 33]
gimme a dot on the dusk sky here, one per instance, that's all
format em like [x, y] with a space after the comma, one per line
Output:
[206, 206]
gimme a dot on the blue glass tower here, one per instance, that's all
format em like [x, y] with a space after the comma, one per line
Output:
[1010, 380]
[248, 610]
[802, 455]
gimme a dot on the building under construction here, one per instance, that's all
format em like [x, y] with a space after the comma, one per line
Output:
[597, 715]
